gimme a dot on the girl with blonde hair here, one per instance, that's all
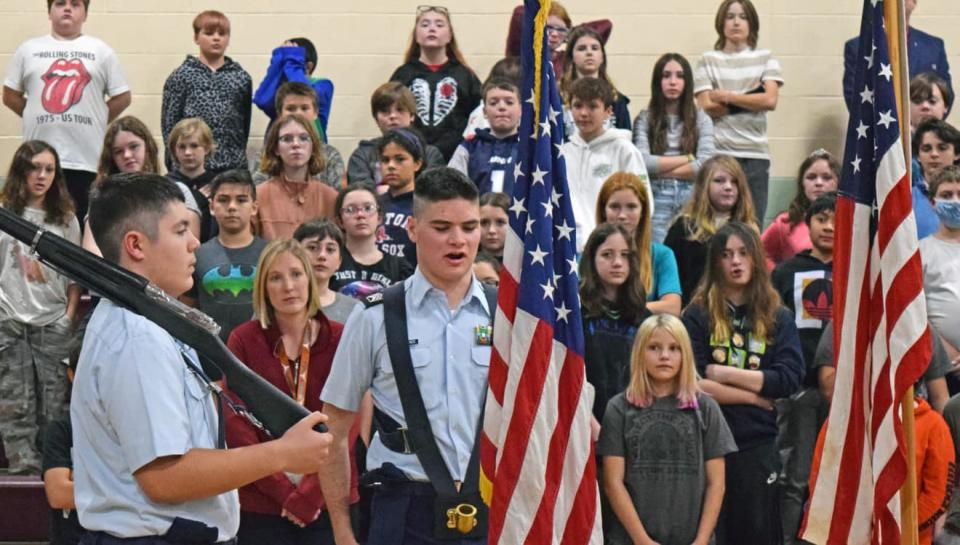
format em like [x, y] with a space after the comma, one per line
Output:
[719, 195]
[663, 445]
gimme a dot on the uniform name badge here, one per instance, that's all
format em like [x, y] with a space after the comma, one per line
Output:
[483, 335]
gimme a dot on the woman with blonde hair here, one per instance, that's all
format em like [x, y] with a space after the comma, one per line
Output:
[720, 194]
[292, 156]
[624, 200]
[291, 344]
[663, 444]
[434, 69]
[747, 348]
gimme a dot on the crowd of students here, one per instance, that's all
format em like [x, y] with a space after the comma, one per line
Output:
[704, 332]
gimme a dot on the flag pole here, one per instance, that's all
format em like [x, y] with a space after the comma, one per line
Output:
[896, 37]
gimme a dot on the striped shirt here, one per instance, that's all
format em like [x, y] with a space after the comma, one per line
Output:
[742, 134]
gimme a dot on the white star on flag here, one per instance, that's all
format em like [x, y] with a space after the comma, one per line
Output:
[518, 207]
[886, 118]
[866, 95]
[538, 175]
[885, 71]
[862, 130]
[565, 231]
[537, 256]
[547, 290]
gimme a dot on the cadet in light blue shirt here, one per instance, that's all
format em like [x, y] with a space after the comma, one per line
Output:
[444, 304]
[146, 462]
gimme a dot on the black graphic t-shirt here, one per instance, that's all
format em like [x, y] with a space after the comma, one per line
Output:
[805, 285]
[665, 449]
[359, 281]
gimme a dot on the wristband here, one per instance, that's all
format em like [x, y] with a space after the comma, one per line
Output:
[691, 157]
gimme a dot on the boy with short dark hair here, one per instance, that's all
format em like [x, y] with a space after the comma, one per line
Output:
[392, 106]
[227, 263]
[58, 83]
[215, 88]
[805, 285]
[446, 228]
[324, 243]
[145, 424]
[488, 157]
[295, 61]
[296, 97]
[594, 153]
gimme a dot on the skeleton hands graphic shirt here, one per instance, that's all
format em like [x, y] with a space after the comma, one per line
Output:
[445, 98]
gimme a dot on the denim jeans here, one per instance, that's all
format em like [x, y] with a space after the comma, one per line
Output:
[669, 196]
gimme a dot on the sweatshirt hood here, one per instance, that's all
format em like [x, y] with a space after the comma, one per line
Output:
[605, 138]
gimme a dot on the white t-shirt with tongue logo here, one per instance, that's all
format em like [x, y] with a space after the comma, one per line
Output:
[66, 83]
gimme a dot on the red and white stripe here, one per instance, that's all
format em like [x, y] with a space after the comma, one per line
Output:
[536, 442]
[882, 346]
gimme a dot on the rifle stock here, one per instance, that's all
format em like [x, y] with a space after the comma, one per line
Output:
[275, 410]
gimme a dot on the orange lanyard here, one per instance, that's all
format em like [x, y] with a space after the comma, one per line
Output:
[296, 372]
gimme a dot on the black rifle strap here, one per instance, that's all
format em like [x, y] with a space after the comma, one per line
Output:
[414, 412]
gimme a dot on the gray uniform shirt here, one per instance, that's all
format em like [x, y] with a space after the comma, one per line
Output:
[450, 365]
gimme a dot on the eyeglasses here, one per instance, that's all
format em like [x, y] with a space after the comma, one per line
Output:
[354, 210]
[439, 9]
[291, 138]
[494, 282]
[561, 30]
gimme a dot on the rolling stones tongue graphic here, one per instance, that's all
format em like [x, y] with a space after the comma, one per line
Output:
[64, 83]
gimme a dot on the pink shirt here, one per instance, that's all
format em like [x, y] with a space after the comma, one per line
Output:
[781, 241]
[279, 213]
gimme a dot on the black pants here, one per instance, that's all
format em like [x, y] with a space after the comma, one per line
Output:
[100, 538]
[751, 504]
[256, 529]
[402, 514]
[78, 184]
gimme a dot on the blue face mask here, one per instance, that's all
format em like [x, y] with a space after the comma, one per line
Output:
[949, 213]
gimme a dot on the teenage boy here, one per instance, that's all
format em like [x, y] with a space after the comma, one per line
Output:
[940, 255]
[227, 264]
[393, 106]
[294, 61]
[489, 155]
[595, 152]
[295, 97]
[57, 84]
[936, 144]
[215, 88]
[323, 241]
[804, 283]
[447, 315]
[147, 457]
[191, 141]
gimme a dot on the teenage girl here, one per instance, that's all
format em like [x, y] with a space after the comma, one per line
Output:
[446, 88]
[612, 300]
[494, 222]
[675, 138]
[586, 57]
[37, 306]
[747, 348]
[737, 84]
[719, 195]
[364, 268]
[788, 233]
[624, 200]
[663, 445]
[292, 156]
[401, 160]
[128, 146]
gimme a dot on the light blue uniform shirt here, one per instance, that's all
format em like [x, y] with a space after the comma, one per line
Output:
[135, 400]
[450, 365]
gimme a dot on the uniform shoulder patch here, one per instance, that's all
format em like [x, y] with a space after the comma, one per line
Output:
[373, 299]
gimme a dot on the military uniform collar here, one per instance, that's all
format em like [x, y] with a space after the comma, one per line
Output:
[419, 288]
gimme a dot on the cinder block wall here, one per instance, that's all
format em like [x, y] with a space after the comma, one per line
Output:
[361, 42]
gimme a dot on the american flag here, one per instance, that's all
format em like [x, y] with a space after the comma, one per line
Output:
[881, 339]
[536, 449]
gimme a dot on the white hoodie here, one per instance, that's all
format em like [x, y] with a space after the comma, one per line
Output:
[589, 164]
